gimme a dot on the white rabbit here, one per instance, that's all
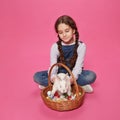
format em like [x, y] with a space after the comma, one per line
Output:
[62, 84]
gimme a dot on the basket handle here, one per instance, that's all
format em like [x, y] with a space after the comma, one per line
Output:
[60, 64]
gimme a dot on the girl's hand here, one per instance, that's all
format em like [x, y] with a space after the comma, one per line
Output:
[71, 80]
[53, 78]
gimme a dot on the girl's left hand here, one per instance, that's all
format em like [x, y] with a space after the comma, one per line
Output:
[71, 80]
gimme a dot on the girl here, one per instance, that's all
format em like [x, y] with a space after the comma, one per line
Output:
[69, 51]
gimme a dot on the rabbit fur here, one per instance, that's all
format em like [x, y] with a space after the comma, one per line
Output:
[61, 84]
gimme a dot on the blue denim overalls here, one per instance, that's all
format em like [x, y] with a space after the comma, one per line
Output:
[86, 77]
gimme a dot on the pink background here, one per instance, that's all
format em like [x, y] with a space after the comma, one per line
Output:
[26, 35]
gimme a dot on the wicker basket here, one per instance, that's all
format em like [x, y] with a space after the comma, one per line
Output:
[63, 105]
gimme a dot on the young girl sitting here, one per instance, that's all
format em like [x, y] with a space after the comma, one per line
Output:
[70, 51]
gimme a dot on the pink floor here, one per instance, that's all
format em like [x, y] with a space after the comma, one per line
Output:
[26, 34]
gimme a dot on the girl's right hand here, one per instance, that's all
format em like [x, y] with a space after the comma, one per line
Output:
[53, 78]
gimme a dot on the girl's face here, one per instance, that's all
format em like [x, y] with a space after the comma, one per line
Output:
[66, 33]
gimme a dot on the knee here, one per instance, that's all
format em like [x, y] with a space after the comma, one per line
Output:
[41, 78]
[36, 77]
[92, 76]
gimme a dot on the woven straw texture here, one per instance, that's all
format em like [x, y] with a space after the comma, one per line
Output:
[63, 105]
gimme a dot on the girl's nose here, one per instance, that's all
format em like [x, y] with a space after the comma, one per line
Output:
[64, 34]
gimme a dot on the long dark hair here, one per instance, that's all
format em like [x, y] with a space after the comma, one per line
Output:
[68, 21]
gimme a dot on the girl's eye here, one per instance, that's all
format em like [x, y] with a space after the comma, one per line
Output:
[59, 32]
[67, 31]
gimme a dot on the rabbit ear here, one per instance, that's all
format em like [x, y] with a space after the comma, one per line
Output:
[66, 76]
[58, 77]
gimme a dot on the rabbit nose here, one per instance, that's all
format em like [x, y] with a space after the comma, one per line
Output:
[64, 91]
